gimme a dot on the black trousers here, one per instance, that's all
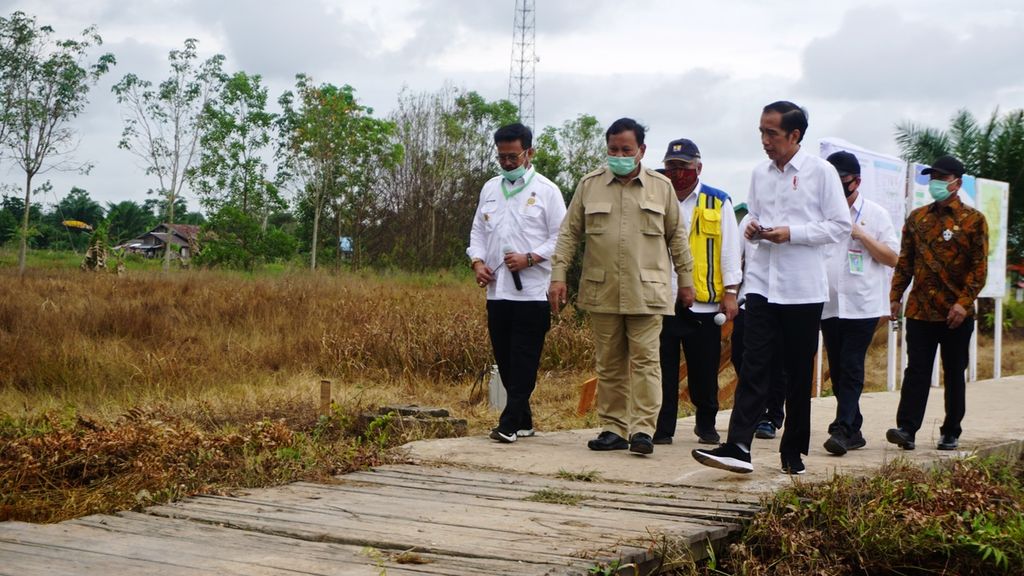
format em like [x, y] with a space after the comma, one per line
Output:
[517, 332]
[846, 343]
[922, 339]
[789, 331]
[775, 411]
[701, 341]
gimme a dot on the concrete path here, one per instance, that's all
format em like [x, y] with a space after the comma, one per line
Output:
[995, 418]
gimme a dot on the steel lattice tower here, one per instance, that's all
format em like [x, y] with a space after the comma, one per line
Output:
[524, 59]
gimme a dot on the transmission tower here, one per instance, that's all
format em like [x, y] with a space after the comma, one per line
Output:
[524, 60]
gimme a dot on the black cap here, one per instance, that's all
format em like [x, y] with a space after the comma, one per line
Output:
[682, 149]
[945, 165]
[846, 164]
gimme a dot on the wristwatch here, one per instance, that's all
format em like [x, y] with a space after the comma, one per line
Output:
[529, 258]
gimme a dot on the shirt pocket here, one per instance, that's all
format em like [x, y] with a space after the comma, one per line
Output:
[656, 291]
[593, 285]
[597, 217]
[653, 219]
[710, 221]
[489, 213]
[532, 210]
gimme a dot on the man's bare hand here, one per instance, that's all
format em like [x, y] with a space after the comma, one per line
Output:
[557, 293]
[894, 310]
[956, 316]
[687, 295]
[777, 235]
[752, 230]
[515, 261]
[484, 275]
[729, 306]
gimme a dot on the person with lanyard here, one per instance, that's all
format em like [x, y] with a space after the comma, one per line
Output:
[713, 238]
[858, 294]
[945, 252]
[630, 218]
[796, 208]
[515, 228]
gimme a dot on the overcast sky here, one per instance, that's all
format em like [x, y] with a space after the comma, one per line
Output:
[696, 69]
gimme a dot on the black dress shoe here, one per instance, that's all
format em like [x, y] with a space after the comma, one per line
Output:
[608, 441]
[900, 437]
[641, 443]
[662, 439]
[948, 442]
[707, 436]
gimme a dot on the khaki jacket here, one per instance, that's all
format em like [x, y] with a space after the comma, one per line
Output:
[631, 231]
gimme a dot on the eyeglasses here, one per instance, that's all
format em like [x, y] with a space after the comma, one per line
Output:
[509, 157]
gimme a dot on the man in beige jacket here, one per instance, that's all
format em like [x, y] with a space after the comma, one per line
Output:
[630, 218]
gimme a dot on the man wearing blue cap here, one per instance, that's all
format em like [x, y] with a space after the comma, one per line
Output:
[858, 293]
[707, 218]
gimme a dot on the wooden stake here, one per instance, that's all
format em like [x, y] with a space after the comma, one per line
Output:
[325, 397]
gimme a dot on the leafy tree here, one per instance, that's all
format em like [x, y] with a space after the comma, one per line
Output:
[47, 81]
[329, 142]
[77, 205]
[566, 153]
[236, 136]
[234, 239]
[8, 226]
[162, 123]
[127, 220]
[993, 150]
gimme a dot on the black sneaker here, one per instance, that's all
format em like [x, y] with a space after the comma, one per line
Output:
[900, 437]
[641, 443]
[856, 441]
[503, 437]
[765, 430]
[836, 444]
[792, 464]
[726, 457]
[948, 442]
[608, 441]
[707, 436]
[662, 439]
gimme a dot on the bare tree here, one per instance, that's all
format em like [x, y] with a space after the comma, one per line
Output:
[162, 122]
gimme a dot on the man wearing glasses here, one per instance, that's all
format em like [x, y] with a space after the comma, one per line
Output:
[630, 219]
[945, 252]
[713, 237]
[510, 245]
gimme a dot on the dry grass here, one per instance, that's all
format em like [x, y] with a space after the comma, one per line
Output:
[137, 370]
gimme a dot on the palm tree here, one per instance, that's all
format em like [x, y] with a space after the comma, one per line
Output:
[126, 220]
[993, 150]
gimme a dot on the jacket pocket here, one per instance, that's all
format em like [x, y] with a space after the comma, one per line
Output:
[653, 222]
[593, 283]
[656, 289]
[710, 222]
[596, 217]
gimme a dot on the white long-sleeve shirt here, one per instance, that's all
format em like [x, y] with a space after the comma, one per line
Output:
[854, 295]
[732, 268]
[807, 196]
[526, 222]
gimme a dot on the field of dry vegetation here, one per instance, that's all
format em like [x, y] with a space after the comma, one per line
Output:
[118, 392]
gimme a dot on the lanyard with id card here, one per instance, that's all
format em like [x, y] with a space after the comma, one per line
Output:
[854, 256]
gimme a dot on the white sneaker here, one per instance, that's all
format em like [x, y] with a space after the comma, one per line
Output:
[525, 433]
[502, 437]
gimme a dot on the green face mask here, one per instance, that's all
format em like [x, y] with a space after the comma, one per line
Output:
[939, 189]
[513, 175]
[620, 166]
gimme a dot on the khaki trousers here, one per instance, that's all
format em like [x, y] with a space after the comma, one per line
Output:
[628, 372]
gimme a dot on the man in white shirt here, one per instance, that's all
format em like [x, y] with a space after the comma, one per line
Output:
[709, 224]
[858, 290]
[796, 207]
[515, 229]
